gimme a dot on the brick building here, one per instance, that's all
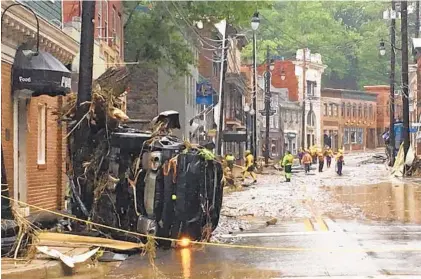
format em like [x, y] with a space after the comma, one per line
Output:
[32, 139]
[383, 109]
[349, 119]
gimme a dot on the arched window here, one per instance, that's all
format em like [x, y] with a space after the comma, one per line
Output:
[311, 118]
[360, 111]
[343, 110]
[365, 111]
[348, 110]
[354, 110]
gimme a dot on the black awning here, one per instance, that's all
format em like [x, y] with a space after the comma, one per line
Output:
[40, 74]
[234, 136]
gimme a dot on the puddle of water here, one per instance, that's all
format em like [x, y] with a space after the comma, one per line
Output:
[189, 263]
[383, 202]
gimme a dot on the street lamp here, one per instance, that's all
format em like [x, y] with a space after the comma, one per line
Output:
[25, 52]
[382, 49]
[255, 21]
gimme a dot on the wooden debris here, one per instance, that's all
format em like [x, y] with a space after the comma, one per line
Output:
[70, 240]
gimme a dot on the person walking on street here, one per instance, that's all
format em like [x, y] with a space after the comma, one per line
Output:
[339, 162]
[287, 165]
[300, 155]
[249, 166]
[230, 161]
[307, 161]
[321, 159]
[328, 155]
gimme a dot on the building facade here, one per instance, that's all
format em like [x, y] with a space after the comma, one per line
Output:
[290, 125]
[109, 35]
[349, 119]
[33, 141]
[309, 85]
[383, 109]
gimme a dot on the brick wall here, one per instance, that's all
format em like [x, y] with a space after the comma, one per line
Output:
[7, 122]
[142, 100]
[45, 183]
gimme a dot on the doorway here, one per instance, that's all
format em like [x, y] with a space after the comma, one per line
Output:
[20, 117]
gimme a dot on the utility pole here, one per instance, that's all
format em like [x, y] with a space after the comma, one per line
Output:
[303, 122]
[392, 89]
[417, 21]
[84, 95]
[405, 101]
[221, 94]
[267, 104]
[86, 52]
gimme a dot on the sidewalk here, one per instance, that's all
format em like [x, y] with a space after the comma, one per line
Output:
[43, 266]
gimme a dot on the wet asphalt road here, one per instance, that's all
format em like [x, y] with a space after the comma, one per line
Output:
[344, 250]
[376, 234]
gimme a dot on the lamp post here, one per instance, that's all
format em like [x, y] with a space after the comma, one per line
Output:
[35, 16]
[255, 21]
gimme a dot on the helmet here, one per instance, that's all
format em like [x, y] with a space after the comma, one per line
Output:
[247, 152]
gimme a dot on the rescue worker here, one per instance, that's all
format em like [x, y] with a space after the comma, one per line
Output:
[287, 165]
[249, 166]
[339, 161]
[313, 153]
[229, 158]
[328, 154]
[307, 161]
[300, 155]
[321, 158]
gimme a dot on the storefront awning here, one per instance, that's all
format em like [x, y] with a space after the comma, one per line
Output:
[40, 74]
[234, 136]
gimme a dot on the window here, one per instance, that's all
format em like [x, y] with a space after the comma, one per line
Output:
[106, 21]
[336, 108]
[41, 134]
[113, 21]
[331, 113]
[119, 31]
[100, 19]
[360, 111]
[387, 108]
[348, 110]
[360, 135]
[271, 124]
[346, 136]
[353, 136]
[343, 110]
[310, 87]
[311, 118]
[370, 112]
[365, 111]
[325, 109]
[354, 111]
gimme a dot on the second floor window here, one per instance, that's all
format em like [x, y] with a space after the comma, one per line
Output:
[343, 110]
[310, 87]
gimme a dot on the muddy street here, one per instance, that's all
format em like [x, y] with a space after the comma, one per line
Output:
[361, 224]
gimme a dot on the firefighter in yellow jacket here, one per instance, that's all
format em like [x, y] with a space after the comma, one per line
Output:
[287, 165]
[249, 166]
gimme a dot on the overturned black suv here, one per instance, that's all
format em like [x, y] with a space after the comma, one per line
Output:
[163, 186]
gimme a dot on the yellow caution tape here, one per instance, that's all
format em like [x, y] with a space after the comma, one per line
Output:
[223, 245]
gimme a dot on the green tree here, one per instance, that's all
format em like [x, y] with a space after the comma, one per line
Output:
[346, 34]
[160, 33]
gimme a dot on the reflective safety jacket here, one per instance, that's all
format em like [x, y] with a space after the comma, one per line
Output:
[287, 160]
[229, 158]
[249, 160]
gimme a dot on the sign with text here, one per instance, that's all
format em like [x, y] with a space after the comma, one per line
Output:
[204, 93]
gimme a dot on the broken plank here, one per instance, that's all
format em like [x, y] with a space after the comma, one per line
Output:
[70, 240]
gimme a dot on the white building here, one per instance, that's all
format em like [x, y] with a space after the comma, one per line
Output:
[311, 85]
